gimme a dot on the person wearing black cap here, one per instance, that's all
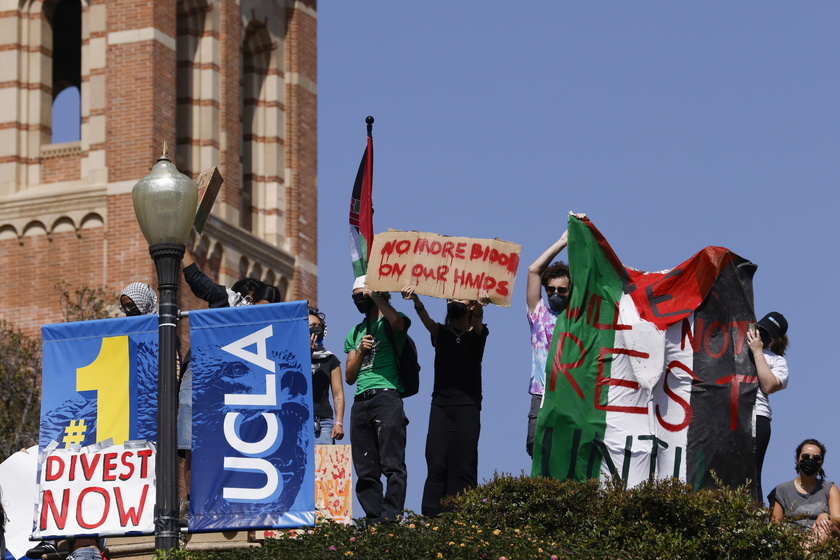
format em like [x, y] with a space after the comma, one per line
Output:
[768, 344]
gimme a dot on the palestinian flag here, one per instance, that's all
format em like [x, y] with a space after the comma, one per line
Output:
[649, 374]
[361, 211]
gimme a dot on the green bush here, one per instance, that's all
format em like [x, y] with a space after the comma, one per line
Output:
[523, 518]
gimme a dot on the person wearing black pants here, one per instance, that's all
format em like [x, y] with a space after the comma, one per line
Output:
[454, 420]
[768, 342]
[377, 418]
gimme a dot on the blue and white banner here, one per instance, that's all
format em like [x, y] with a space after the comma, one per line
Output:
[98, 415]
[252, 447]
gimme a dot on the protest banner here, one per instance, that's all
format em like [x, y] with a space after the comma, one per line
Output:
[253, 432]
[442, 266]
[648, 375]
[99, 389]
[100, 489]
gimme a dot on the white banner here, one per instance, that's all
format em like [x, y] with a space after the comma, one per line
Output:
[101, 490]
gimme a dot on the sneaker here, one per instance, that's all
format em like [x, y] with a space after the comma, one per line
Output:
[42, 548]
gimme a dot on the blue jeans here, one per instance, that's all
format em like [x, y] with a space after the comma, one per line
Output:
[185, 410]
[85, 553]
[323, 436]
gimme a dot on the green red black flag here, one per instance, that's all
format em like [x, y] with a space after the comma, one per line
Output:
[361, 209]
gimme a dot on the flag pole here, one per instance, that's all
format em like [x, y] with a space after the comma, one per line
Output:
[369, 122]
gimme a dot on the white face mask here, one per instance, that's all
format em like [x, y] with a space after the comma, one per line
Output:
[235, 299]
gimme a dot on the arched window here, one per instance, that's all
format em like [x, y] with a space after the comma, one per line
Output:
[66, 22]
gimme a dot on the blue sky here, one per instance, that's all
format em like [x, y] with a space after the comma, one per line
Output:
[674, 126]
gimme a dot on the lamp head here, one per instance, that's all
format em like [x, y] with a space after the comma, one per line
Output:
[165, 202]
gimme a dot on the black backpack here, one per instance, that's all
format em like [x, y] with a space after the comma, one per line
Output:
[407, 363]
[408, 366]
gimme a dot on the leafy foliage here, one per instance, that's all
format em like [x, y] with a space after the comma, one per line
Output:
[85, 302]
[20, 373]
[524, 518]
[20, 365]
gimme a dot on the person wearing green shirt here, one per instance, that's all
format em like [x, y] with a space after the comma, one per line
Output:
[377, 418]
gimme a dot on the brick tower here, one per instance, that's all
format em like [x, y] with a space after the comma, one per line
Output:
[228, 83]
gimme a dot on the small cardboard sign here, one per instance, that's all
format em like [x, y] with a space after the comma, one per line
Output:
[442, 266]
[334, 482]
[209, 183]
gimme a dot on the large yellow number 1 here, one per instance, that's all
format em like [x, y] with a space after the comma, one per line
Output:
[108, 375]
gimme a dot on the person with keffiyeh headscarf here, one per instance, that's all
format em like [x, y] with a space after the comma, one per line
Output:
[138, 299]
[326, 378]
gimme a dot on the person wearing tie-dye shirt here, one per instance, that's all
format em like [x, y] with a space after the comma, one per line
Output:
[541, 318]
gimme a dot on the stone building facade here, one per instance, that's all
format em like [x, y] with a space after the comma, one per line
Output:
[228, 83]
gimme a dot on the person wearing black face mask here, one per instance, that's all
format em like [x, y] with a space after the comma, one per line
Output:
[812, 503]
[138, 299]
[768, 342]
[556, 281]
[326, 378]
[377, 417]
[455, 416]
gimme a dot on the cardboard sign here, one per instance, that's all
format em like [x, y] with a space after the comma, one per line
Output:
[334, 482]
[209, 183]
[444, 267]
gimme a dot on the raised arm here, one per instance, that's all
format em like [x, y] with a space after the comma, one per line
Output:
[201, 285]
[476, 308]
[431, 325]
[388, 311]
[767, 380]
[533, 291]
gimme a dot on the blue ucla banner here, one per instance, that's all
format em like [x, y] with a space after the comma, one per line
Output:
[96, 461]
[252, 448]
[99, 381]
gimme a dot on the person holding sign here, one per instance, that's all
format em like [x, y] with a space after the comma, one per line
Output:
[377, 418]
[455, 417]
[541, 318]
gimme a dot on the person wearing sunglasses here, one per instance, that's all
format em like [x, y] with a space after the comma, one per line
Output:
[555, 280]
[809, 500]
[768, 342]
